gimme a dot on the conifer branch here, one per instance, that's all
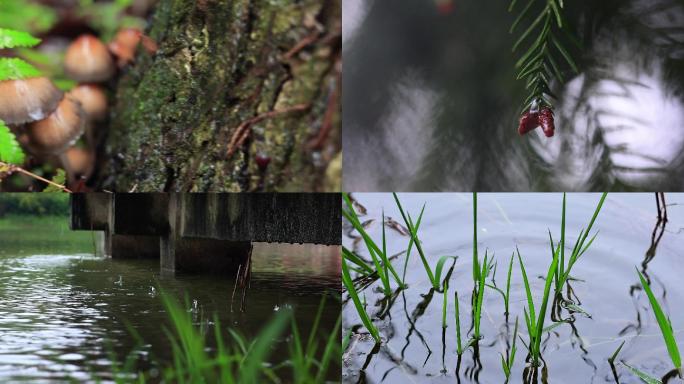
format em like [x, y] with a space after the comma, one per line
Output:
[541, 62]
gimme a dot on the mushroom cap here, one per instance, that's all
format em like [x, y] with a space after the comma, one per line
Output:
[81, 161]
[27, 100]
[59, 130]
[93, 100]
[88, 60]
[124, 44]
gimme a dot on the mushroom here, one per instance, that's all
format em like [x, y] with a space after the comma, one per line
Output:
[93, 100]
[59, 130]
[81, 161]
[27, 100]
[88, 60]
[124, 44]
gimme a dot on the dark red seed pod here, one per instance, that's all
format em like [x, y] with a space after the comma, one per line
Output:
[546, 122]
[528, 122]
[262, 161]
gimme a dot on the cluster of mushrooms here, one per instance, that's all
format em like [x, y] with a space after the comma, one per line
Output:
[50, 122]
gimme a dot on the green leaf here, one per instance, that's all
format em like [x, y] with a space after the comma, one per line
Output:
[27, 16]
[645, 377]
[15, 69]
[664, 323]
[59, 178]
[12, 39]
[10, 151]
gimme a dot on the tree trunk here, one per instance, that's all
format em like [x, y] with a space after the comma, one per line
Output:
[266, 71]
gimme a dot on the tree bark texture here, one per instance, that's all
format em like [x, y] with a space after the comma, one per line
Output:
[264, 71]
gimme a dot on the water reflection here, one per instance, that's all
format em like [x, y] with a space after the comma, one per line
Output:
[61, 315]
[431, 101]
[598, 309]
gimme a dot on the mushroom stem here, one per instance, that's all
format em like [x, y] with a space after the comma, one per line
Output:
[71, 176]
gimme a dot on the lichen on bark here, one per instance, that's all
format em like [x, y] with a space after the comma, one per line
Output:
[220, 64]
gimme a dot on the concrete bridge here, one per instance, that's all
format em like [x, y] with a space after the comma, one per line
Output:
[204, 232]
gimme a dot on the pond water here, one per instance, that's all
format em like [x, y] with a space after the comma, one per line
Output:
[63, 309]
[605, 283]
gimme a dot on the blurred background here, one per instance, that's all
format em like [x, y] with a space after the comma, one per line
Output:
[431, 100]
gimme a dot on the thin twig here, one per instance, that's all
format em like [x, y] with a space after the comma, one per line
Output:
[331, 109]
[15, 168]
[305, 42]
[244, 129]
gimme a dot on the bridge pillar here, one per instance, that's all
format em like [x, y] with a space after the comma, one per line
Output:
[189, 254]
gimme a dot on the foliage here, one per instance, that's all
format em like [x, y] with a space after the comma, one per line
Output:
[535, 325]
[664, 323]
[508, 361]
[25, 15]
[434, 277]
[235, 358]
[58, 178]
[563, 272]
[383, 266]
[34, 204]
[13, 68]
[539, 64]
[12, 39]
[351, 290]
[108, 16]
[10, 151]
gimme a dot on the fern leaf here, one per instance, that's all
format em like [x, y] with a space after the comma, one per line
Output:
[10, 38]
[10, 151]
[58, 178]
[15, 69]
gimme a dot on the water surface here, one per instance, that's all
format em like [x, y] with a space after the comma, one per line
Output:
[606, 285]
[63, 309]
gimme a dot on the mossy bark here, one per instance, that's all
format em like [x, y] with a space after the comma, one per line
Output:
[219, 64]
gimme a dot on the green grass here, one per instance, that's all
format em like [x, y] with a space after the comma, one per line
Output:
[434, 277]
[665, 329]
[508, 360]
[479, 296]
[459, 344]
[236, 359]
[445, 292]
[534, 321]
[34, 234]
[351, 290]
[507, 294]
[382, 264]
[563, 271]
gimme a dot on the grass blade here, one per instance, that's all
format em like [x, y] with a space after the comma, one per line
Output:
[664, 323]
[349, 284]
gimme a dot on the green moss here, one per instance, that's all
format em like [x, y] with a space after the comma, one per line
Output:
[219, 64]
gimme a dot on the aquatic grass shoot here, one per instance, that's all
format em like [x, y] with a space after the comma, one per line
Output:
[535, 325]
[508, 361]
[665, 328]
[235, 359]
[563, 271]
[459, 344]
[434, 277]
[383, 266]
[351, 290]
[507, 294]
[479, 298]
[444, 305]
[410, 245]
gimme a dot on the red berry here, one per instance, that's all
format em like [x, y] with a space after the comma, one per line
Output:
[262, 161]
[546, 121]
[528, 122]
[445, 7]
